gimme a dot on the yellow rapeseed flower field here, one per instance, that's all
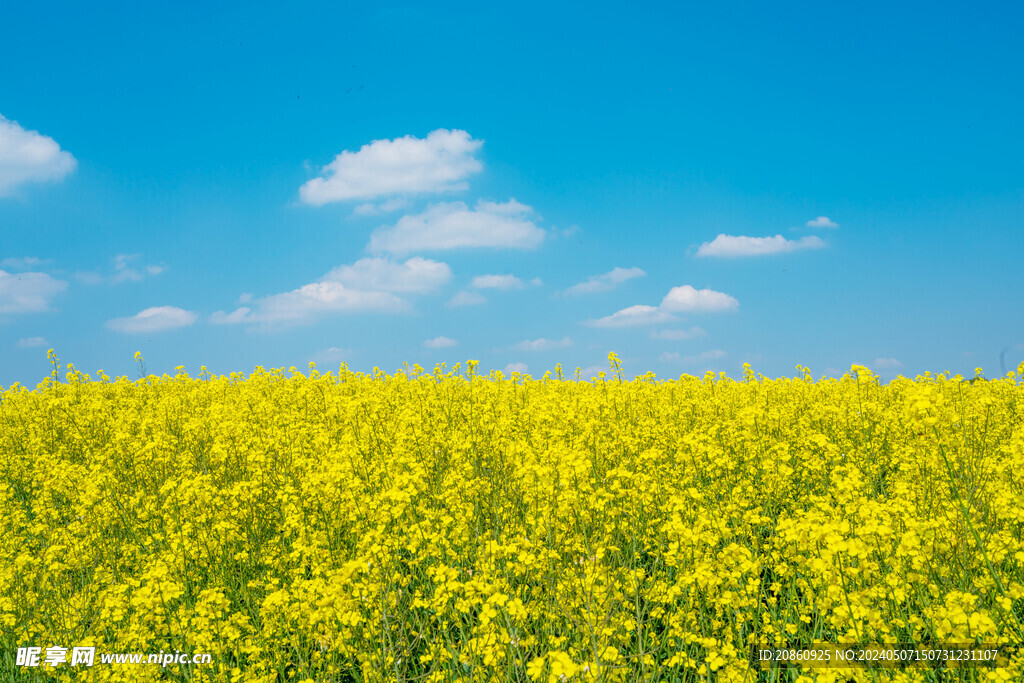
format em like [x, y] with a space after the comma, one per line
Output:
[437, 526]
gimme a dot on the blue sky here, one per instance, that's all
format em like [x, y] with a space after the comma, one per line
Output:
[693, 186]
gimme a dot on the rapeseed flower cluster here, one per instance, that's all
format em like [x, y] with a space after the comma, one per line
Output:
[437, 526]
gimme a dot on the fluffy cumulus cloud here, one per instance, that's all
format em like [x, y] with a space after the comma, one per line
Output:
[417, 275]
[155, 319]
[821, 222]
[27, 156]
[440, 343]
[679, 335]
[732, 246]
[605, 282]
[453, 225]
[684, 299]
[543, 344]
[438, 163]
[691, 300]
[632, 316]
[368, 285]
[28, 292]
[467, 298]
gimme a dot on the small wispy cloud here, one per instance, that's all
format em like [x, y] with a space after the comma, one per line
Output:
[332, 354]
[390, 206]
[543, 344]
[25, 263]
[467, 298]
[440, 343]
[239, 315]
[633, 316]
[155, 319]
[676, 357]
[821, 222]
[886, 364]
[28, 292]
[679, 335]
[515, 367]
[734, 246]
[605, 282]
[311, 301]
[497, 282]
[125, 271]
[124, 268]
[31, 342]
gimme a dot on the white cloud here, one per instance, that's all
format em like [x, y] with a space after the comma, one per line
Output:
[634, 315]
[440, 343]
[368, 285]
[821, 222]
[679, 299]
[887, 363]
[88, 277]
[245, 297]
[679, 335]
[453, 225]
[686, 298]
[380, 274]
[464, 298]
[310, 301]
[676, 357]
[543, 344]
[28, 292]
[27, 156]
[26, 263]
[497, 282]
[390, 206]
[155, 319]
[732, 246]
[438, 163]
[515, 367]
[124, 270]
[239, 315]
[332, 354]
[606, 281]
[31, 342]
